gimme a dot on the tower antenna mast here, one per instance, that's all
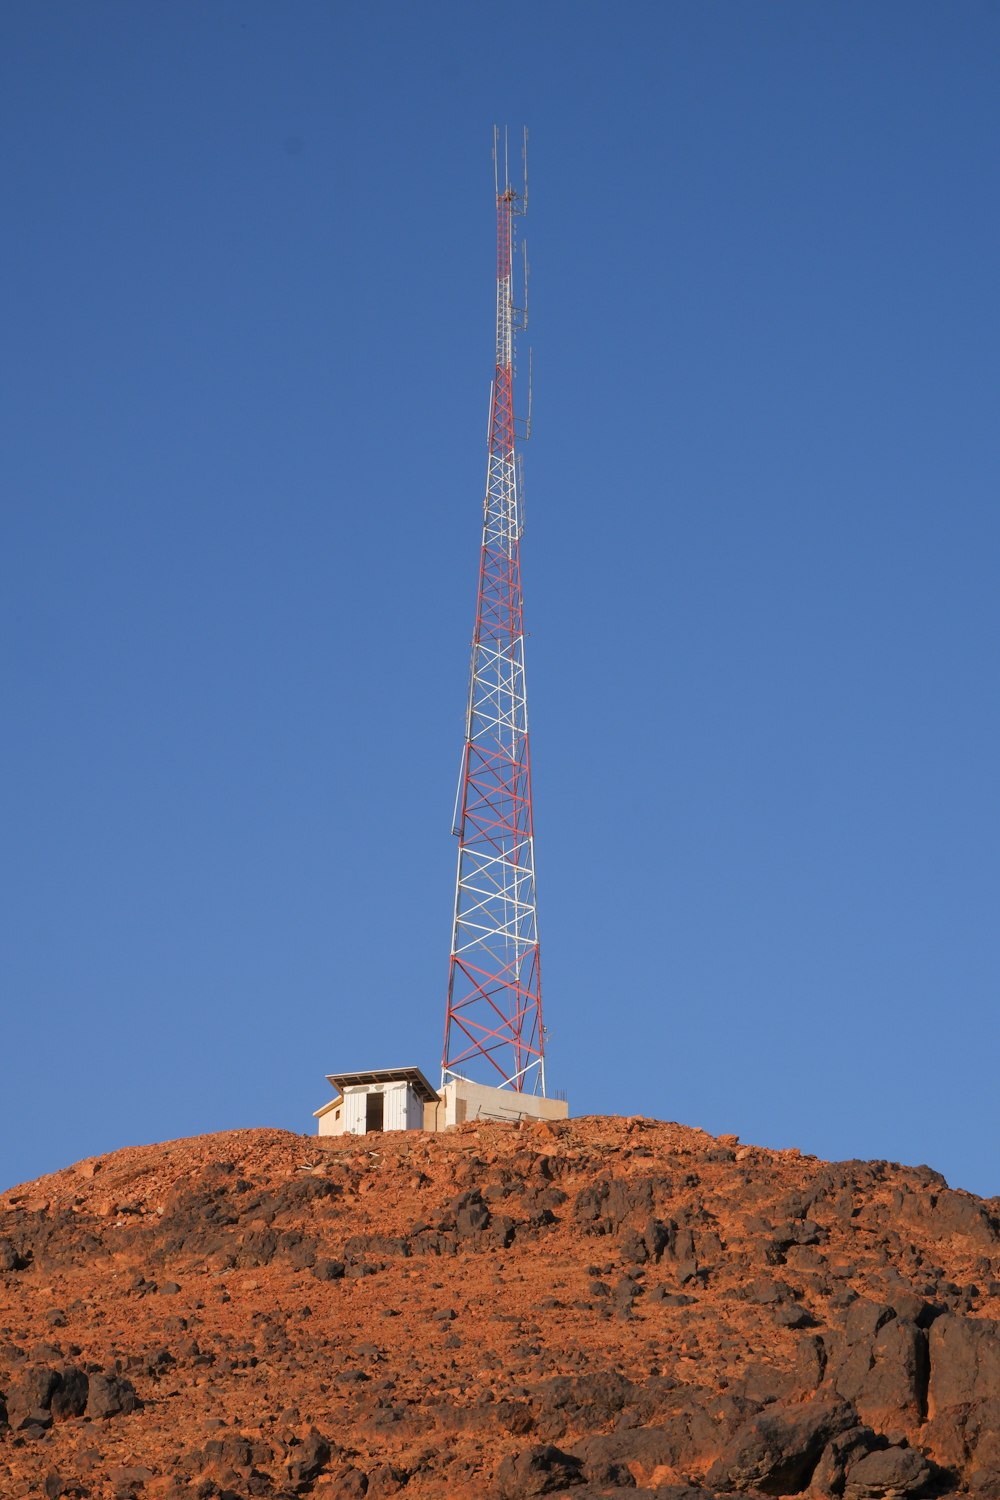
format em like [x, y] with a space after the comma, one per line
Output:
[493, 1027]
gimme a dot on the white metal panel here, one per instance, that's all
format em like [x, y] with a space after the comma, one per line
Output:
[354, 1111]
[414, 1110]
[395, 1106]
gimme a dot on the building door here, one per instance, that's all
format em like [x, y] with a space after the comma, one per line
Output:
[374, 1111]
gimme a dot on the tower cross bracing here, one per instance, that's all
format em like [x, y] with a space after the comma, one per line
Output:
[493, 1026]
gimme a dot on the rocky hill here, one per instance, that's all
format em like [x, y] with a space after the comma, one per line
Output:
[603, 1308]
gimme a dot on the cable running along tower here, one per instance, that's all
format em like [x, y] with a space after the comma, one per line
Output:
[493, 1028]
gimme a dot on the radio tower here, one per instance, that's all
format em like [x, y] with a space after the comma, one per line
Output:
[493, 1028]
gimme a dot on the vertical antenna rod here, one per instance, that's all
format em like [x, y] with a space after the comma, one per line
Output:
[493, 1028]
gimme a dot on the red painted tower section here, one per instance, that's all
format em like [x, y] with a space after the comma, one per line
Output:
[493, 1029]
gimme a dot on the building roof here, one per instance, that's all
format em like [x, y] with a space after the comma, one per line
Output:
[412, 1076]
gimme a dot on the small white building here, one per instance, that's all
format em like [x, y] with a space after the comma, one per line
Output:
[402, 1099]
[380, 1099]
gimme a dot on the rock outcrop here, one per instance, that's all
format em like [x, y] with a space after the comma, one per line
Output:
[599, 1308]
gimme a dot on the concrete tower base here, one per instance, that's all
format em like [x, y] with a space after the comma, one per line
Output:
[462, 1100]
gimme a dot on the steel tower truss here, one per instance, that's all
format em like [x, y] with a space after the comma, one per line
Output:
[493, 1031]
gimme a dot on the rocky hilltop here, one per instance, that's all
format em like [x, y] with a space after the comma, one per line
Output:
[607, 1307]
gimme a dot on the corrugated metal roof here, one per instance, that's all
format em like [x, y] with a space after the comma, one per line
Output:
[413, 1076]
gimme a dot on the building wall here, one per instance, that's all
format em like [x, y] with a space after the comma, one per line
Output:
[331, 1121]
[477, 1101]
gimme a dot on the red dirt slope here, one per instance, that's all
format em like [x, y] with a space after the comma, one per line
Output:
[603, 1308]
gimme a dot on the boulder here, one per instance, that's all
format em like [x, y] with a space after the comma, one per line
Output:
[69, 1398]
[964, 1360]
[864, 1318]
[776, 1451]
[603, 1206]
[829, 1474]
[471, 1214]
[387, 1479]
[885, 1372]
[677, 1440]
[537, 1471]
[344, 1483]
[309, 1458]
[968, 1438]
[32, 1421]
[328, 1270]
[29, 1397]
[111, 1396]
[10, 1260]
[886, 1474]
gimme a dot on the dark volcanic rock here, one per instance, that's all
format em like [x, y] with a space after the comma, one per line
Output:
[69, 1398]
[471, 1213]
[829, 1474]
[681, 1439]
[10, 1260]
[887, 1472]
[965, 1361]
[309, 1458]
[608, 1203]
[111, 1396]
[29, 1397]
[538, 1471]
[345, 1482]
[885, 1372]
[328, 1270]
[777, 1451]
[387, 1479]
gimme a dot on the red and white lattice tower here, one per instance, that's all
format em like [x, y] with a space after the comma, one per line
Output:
[493, 1030]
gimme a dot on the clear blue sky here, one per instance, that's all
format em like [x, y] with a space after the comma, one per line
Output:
[247, 257]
